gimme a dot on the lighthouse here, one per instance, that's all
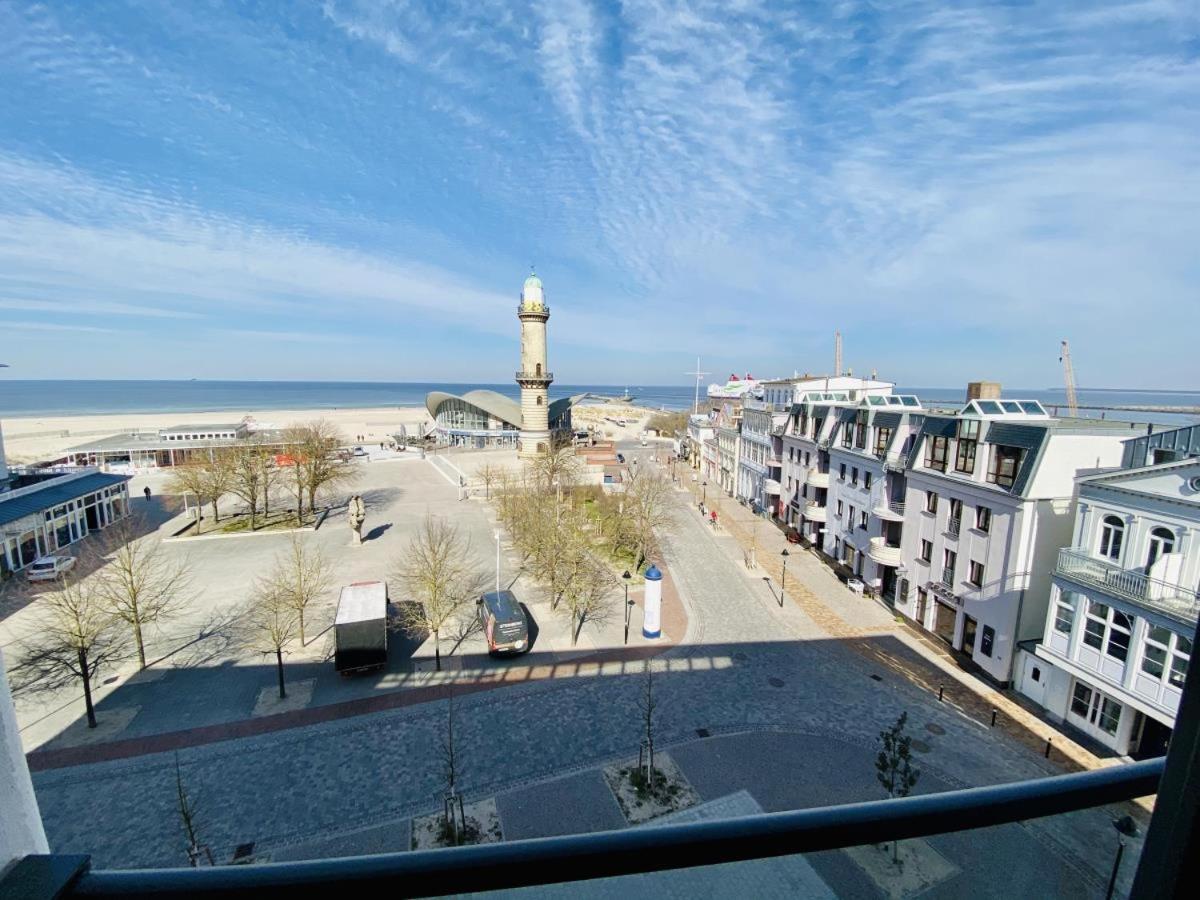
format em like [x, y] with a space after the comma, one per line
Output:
[534, 376]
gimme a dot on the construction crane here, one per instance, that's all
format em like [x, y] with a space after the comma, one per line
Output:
[1069, 377]
[837, 353]
[699, 375]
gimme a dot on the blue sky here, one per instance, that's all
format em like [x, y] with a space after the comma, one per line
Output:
[355, 190]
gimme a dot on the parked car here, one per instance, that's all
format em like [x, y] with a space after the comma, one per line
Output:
[359, 451]
[504, 623]
[49, 568]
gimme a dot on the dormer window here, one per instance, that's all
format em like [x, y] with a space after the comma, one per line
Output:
[1003, 465]
[936, 450]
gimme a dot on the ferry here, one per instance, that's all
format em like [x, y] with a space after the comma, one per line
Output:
[736, 388]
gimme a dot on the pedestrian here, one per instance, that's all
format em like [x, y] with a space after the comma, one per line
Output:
[713, 516]
[146, 491]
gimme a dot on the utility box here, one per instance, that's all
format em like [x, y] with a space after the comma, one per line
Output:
[360, 628]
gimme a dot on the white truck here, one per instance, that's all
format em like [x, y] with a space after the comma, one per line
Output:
[360, 627]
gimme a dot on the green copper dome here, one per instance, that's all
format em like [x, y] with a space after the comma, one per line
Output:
[533, 281]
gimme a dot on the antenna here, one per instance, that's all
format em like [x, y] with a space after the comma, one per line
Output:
[1069, 378]
[837, 353]
[699, 375]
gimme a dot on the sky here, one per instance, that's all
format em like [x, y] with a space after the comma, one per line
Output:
[353, 190]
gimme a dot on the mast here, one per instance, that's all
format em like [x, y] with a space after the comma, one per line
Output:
[837, 353]
[1069, 378]
[699, 375]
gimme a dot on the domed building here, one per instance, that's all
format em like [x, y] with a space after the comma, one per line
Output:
[489, 419]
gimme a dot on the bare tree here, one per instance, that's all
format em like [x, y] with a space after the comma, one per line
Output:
[489, 475]
[455, 817]
[245, 477]
[558, 468]
[140, 584]
[320, 467]
[893, 766]
[587, 591]
[441, 574]
[646, 705]
[76, 636]
[647, 506]
[191, 478]
[187, 814]
[300, 577]
[273, 621]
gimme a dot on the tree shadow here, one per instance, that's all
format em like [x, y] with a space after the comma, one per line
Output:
[377, 532]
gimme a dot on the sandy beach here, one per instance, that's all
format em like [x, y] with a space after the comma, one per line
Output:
[32, 439]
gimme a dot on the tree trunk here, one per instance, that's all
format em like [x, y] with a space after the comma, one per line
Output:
[437, 651]
[141, 647]
[87, 688]
[279, 664]
[216, 512]
[300, 610]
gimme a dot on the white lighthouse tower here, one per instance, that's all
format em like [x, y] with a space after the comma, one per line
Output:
[534, 377]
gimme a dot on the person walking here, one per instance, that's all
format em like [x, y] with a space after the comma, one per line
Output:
[146, 491]
[713, 517]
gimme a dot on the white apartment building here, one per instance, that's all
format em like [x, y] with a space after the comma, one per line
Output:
[759, 461]
[987, 507]
[783, 393]
[700, 429]
[868, 454]
[1117, 639]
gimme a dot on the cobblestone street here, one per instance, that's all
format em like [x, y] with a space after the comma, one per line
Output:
[747, 666]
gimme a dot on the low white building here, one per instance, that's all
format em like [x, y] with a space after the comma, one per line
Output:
[1117, 639]
[987, 506]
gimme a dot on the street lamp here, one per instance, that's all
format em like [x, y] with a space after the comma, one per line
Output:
[496, 535]
[1126, 828]
[703, 491]
[783, 580]
[628, 605]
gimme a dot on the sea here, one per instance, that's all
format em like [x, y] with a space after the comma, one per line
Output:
[25, 398]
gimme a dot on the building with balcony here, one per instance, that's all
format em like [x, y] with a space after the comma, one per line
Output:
[868, 452]
[759, 462]
[1117, 638]
[987, 506]
[699, 430]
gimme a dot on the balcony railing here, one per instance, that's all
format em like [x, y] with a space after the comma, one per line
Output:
[884, 553]
[535, 376]
[562, 860]
[1173, 599]
[953, 527]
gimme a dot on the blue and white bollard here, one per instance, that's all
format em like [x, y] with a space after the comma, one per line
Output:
[652, 604]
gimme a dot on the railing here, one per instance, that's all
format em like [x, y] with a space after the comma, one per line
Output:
[535, 376]
[947, 578]
[884, 553]
[954, 527]
[1176, 600]
[544, 308]
[560, 860]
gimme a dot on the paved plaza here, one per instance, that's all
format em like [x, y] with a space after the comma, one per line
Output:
[773, 701]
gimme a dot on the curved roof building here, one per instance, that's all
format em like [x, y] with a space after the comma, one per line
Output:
[488, 419]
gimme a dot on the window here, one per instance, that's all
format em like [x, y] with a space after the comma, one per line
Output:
[850, 518]
[1112, 534]
[1081, 700]
[1162, 542]
[975, 576]
[955, 524]
[1166, 653]
[1064, 613]
[949, 560]
[1096, 625]
[867, 480]
[847, 434]
[862, 520]
[1003, 463]
[1095, 708]
[860, 430]
[854, 476]
[539, 399]
[983, 518]
[936, 449]
[926, 551]
[839, 509]
[1118, 635]
[931, 501]
[883, 437]
[842, 472]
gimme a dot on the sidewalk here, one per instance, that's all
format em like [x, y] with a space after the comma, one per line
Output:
[814, 589]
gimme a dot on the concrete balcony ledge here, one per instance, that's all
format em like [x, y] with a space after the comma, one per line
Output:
[889, 510]
[814, 512]
[535, 376]
[818, 479]
[883, 553]
[1175, 600]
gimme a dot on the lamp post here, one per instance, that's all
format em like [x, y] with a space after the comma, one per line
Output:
[496, 535]
[628, 605]
[703, 491]
[783, 580]
[1126, 827]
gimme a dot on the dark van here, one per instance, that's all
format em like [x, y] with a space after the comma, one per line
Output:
[504, 623]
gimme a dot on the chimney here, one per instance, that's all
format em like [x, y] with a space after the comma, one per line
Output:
[983, 390]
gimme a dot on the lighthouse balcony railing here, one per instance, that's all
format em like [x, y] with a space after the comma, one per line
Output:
[535, 376]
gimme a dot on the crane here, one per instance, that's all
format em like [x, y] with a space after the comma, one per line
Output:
[1069, 377]
[837, 353]
[699, 375]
